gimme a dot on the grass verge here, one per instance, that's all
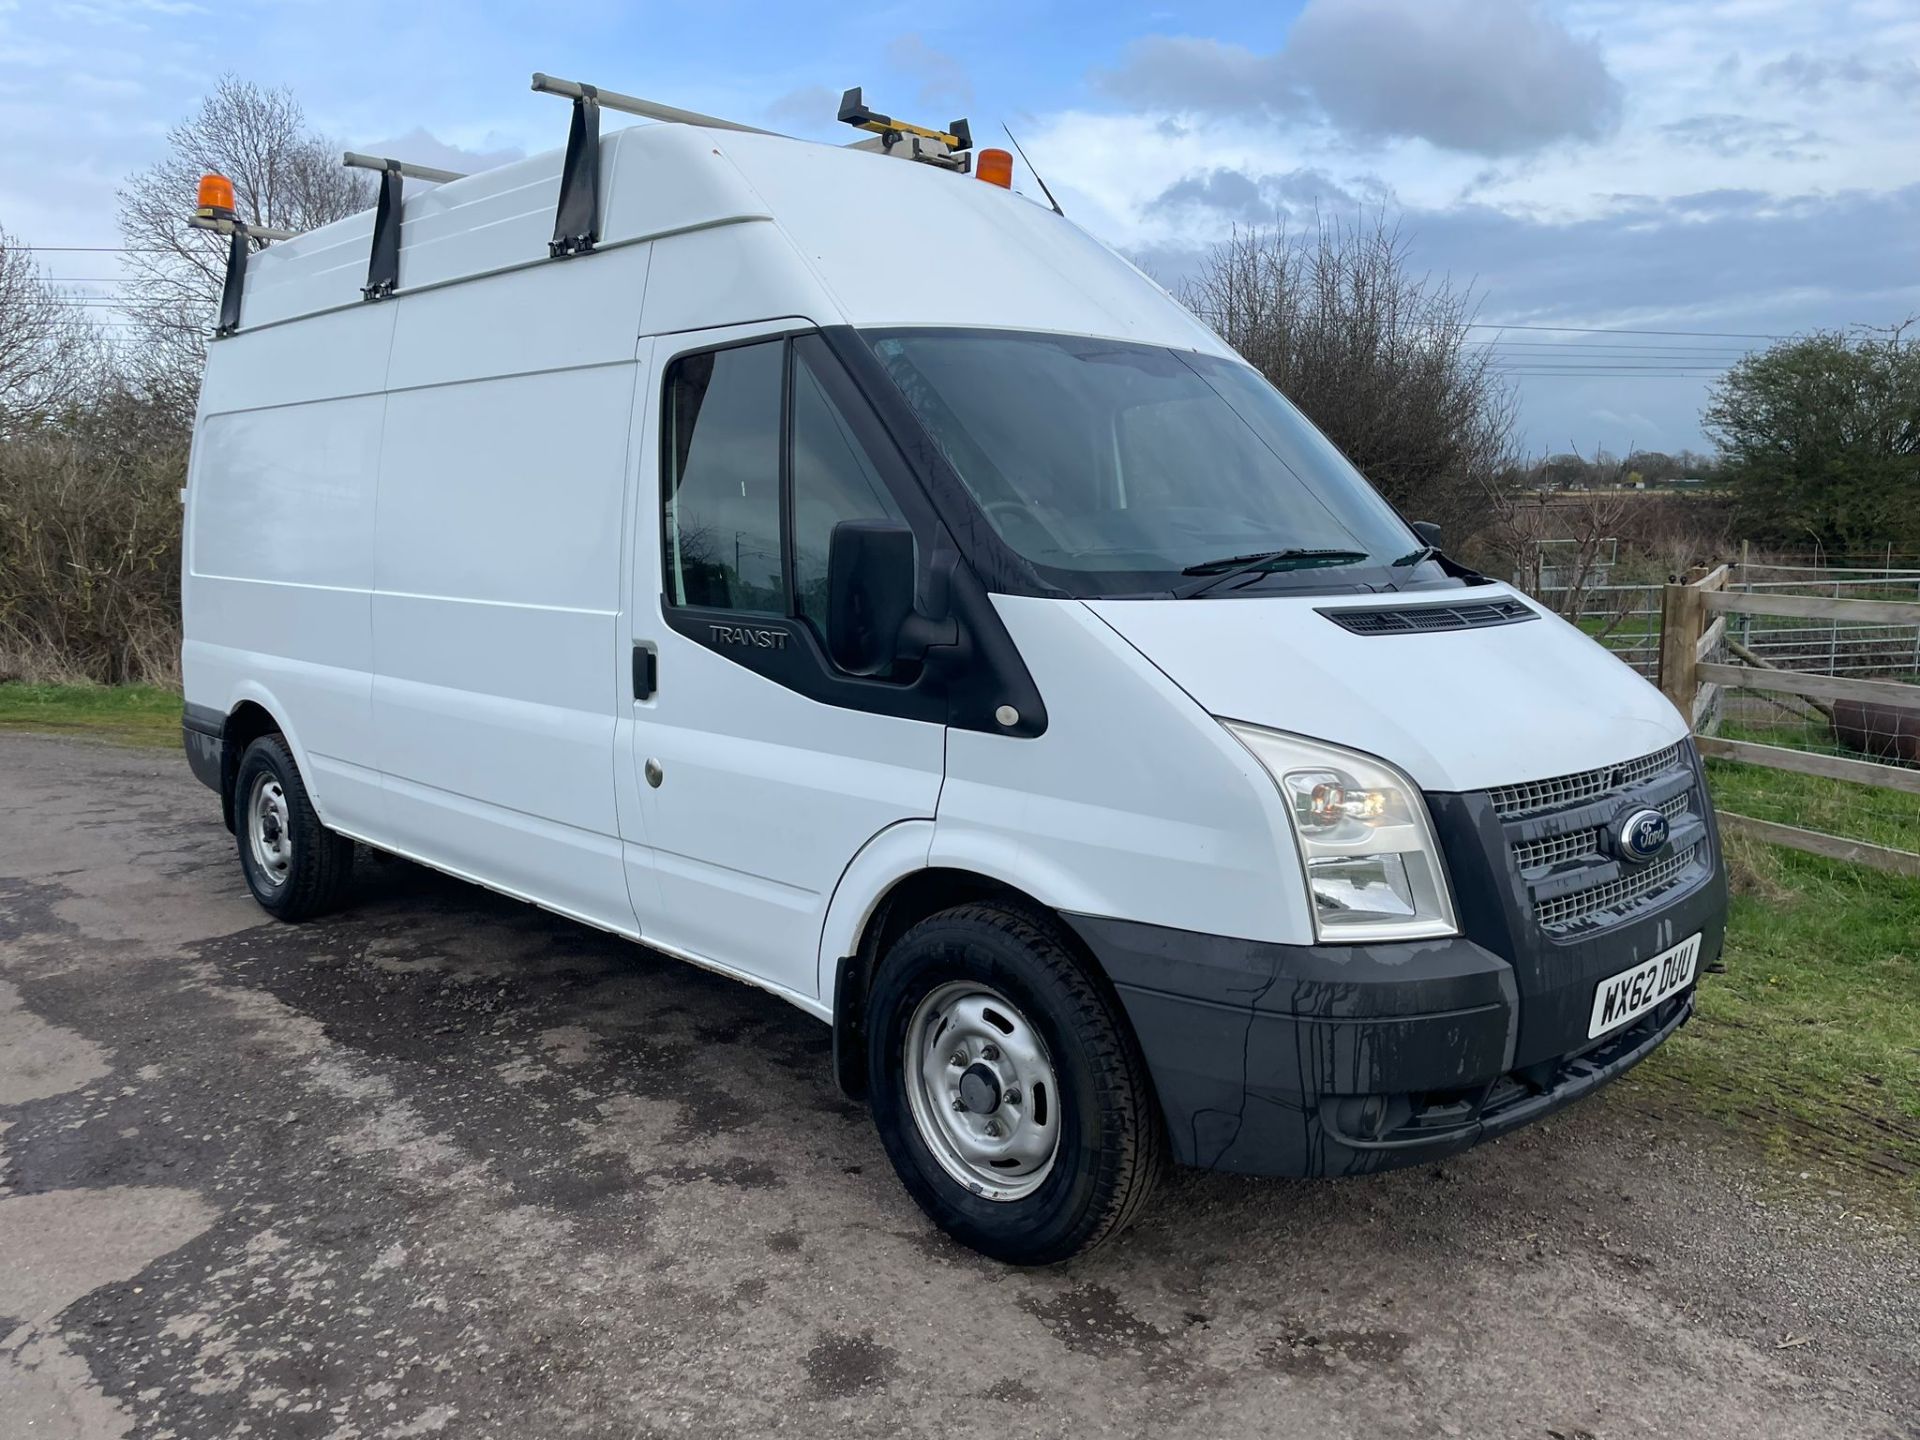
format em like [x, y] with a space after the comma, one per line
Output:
[1809, 1040]
[143, 715]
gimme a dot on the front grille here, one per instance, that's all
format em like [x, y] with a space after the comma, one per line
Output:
[1536, 797]
[1556, 849]
[1552, 850]
[1559, 838]
[1424, 619]
[1565, 911]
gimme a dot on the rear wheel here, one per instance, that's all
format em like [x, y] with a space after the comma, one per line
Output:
[1008, 1090]
[295, 866]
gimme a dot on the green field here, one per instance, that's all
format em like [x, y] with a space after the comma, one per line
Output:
[144, 715]
[1808, 1041]
[1811, 802]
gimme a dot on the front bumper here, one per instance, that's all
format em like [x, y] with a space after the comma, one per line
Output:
[1344, 1059]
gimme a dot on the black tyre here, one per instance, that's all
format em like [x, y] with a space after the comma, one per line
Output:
[294, 865]
[1008, 1090]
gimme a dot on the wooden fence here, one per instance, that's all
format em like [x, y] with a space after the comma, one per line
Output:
[1694, 629]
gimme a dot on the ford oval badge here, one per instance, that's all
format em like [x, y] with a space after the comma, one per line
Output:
[1642, 835]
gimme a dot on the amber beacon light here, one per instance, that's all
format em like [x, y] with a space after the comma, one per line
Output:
[995, 167]
[216, 198]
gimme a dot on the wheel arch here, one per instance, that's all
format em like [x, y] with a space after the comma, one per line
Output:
[247, 720]
[909, 899]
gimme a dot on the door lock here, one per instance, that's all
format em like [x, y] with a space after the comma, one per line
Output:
[653, 772]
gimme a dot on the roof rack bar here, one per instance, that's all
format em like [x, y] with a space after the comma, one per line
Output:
[354, 160]
[229, 226]
[634, 105]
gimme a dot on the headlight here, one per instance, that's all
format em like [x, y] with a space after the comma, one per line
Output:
[1373, 868]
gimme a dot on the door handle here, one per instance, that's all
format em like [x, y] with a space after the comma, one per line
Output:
[646, 671]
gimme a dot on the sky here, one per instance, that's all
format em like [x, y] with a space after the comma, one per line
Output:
[1718, 171]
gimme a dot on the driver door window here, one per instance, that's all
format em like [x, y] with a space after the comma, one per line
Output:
[722, 521]
[833, 480]
[761, 462]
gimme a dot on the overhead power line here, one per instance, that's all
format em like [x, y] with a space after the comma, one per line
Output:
[1595, 347]
[1622, 330]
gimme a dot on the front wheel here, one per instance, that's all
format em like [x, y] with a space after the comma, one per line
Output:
[1008, 1091]
[294, 865]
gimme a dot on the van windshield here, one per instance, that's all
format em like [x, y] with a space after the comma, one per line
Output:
[1120, 469]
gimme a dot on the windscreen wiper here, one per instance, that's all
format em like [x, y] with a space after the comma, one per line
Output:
[1425, 552]
[1264, 562]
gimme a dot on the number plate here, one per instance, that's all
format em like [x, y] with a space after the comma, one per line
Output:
[1619, 998]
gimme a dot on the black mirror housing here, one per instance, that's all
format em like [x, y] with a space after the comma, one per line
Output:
[870, 585]
[1428, 532]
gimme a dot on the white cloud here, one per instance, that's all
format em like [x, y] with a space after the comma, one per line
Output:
[1490, 77]
[944, 82]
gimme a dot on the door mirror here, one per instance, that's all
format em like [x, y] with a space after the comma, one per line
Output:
[870, 583]
[1428, 532]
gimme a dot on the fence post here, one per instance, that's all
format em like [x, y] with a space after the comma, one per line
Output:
[1682, 609]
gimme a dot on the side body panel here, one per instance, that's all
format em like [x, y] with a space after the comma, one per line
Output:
[1133, 804]
[497, 578]
[276, 590]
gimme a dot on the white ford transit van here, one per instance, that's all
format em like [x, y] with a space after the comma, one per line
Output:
[851, 577]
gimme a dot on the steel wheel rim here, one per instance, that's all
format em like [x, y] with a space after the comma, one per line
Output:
[982, 1090]
[268, 833]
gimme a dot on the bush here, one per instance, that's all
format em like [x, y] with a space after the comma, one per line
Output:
[90, 546]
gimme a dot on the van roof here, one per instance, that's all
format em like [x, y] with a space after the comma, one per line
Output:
[888, 242]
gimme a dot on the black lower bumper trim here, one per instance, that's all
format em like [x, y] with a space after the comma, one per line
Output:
[1273, 1059]
[1511, 1103]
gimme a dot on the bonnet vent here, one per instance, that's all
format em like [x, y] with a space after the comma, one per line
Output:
[1420, 619]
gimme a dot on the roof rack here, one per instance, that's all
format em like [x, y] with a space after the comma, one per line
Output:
[383, 260]
[576, 218]
[214, 211]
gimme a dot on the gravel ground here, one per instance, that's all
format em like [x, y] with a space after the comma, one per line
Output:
[447, 1165]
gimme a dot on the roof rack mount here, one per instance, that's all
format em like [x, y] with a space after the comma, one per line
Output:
[576, 216]
[383, 259]
[241, 236]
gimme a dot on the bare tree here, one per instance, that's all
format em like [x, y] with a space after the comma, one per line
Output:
[48, 350]
[1560, 550]
[1378, 357]
[283, 176]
